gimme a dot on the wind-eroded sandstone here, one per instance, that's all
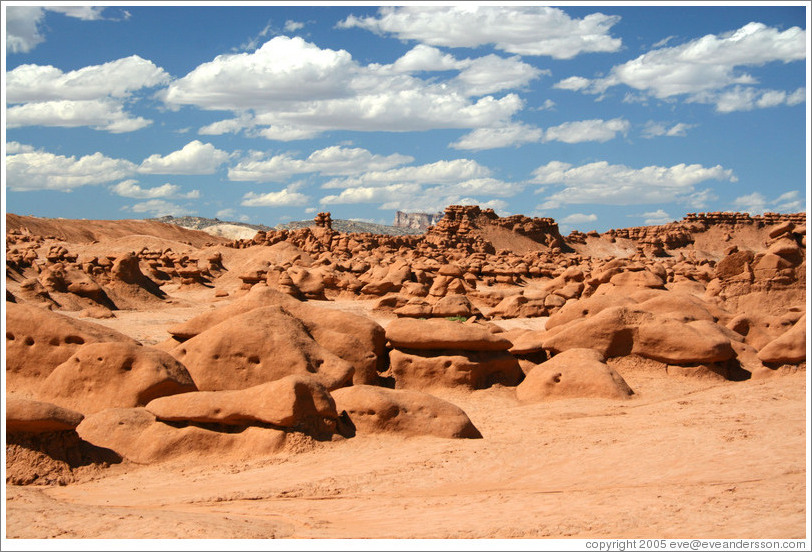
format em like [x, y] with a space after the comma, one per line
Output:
[487, 356]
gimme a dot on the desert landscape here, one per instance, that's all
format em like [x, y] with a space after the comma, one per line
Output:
[486, 379]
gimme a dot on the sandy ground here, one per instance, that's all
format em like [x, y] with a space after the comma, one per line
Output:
[683, 458]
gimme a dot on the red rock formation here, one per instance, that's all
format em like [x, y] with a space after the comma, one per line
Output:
[575, 373]
[379, 410]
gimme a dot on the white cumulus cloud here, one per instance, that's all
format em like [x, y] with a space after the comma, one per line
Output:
[194, 158]
[426, 58]
[85, 13]
[523, 30]
[23, 31]
[293, 26]
[130, 188]
[290, 89]
[607, 184]
[439, 172]
[106, 114]
[333, 160]
[579, 218]
[706, 69]
[491, 73]
[117, 79]
[414, 196]
[501, 137]
[653, 128]
[92, 96]
[40, 170]
[282, 69]
[282, 198]
[573, 83]
[22, 28]
[594, 130]
[159, 208]
[747, 98]
[16, 147]
[757, 203]
[657, 217]
[372, 194]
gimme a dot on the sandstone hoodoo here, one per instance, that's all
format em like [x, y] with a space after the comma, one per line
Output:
[444, 353]
[438, 353]
[29, 416]
[110, 375]
[256, 347]
[575, 373]
[39, 340]
[139, 437]
[375, 409]
[43, 448]
[293, 402]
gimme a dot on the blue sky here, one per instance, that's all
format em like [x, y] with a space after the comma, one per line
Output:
[600, 116]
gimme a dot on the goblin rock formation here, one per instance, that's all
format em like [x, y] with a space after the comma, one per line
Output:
[717, 295]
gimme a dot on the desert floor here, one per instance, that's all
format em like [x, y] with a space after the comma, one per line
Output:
[683, 458]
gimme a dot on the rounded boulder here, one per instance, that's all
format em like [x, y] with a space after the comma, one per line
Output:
[575, 373]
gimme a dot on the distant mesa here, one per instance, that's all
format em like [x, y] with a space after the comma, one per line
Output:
[417, 221]
[350, 226]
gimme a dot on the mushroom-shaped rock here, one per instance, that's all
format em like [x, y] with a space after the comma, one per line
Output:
[294, 402]
[416, 307]
[356, 339]
[39, 340]
[759, 328]
[638, 278]
[309, 281]
[425, 369]
[454, 305]
[787, 249]
[113, 375]
[259, 346]
[674, 342]
[29, 416]
[575, 373]
[285, 285]
[126, 269]
[518, 306]
[380, 410]
[406, 333]
[789, 348]
[769, 265]
[528, 348]
[353, 338]
[587, 307]
[450, 270]
[97, 311]
[620, 331]
[680, 306]
[127, 277]
[82, 285]
[259, 296]
[135, 434]
[43, 447]
[527, 342]
[781, 228]
[611, 332]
